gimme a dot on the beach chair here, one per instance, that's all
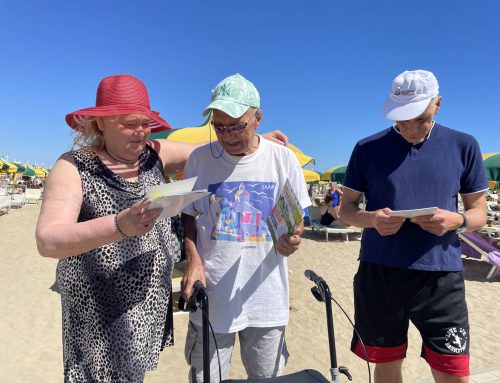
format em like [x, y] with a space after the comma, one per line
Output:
[18, 200]
[5, 203]
[481, 247]
[33, 196]
[315, 216]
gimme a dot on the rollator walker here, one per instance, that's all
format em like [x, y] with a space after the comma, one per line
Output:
[320, 291]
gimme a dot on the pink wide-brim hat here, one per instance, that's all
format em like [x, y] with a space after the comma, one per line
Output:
[117, 95]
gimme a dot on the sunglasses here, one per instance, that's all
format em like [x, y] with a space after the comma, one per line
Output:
[238, 128]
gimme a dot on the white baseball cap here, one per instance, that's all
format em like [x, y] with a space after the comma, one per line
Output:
[410, 95]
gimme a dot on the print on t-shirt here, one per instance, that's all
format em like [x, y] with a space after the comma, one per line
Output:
[239, 210]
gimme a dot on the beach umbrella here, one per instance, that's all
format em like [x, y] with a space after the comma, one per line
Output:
[311, 176]
[34, 171]
[303, 158]
[20, 167]
[40, 173]
[491, 163]
[8, 167]
[29, 172]
[336, 174]
[205, 133]
[45, 172]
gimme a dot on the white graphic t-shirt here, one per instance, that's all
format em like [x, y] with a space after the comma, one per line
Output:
[247, 281]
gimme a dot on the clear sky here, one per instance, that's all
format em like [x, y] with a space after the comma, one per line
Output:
[323, 68]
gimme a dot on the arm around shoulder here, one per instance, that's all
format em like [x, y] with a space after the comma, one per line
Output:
[174, 154]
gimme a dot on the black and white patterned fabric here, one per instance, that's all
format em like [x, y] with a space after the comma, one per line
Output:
[116, 299]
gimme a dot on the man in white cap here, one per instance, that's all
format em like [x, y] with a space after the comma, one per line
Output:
[227, 241]
[411, 269]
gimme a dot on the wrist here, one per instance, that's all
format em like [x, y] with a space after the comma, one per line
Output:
[463, 225]
[118, 229]
[372, 218]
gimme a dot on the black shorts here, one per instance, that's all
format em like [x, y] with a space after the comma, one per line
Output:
[387, 298]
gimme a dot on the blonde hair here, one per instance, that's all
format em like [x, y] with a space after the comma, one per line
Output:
[89, 136]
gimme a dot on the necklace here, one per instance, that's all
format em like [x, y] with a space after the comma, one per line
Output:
[129, 162]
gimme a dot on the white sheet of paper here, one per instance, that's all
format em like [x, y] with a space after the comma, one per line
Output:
[162, 190]
[173, 204]
[413, 213]
[174, 196]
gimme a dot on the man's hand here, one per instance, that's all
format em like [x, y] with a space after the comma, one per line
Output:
[384, 223]
[288, 245]
[276, 136]
[440, 222]
[194, 272]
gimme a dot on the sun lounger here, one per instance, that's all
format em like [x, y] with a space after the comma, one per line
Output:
[315, 216]
[481, 247]
[33, 196]
[18, 200]
[5, 203]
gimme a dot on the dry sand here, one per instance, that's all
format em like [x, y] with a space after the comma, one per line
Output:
[30, 326]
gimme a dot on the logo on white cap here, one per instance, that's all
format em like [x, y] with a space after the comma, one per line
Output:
[404, 92]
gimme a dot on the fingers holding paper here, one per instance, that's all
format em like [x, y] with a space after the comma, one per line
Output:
[287, 245]
[438, 223]
[137, 220]
[386, 224]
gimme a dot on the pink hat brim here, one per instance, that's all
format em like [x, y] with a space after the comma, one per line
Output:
[76, 119]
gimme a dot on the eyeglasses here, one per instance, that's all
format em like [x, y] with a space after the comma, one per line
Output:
[238, 128]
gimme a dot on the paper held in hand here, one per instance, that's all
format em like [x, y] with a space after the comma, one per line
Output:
[413, 213]
[174, 197]
[286, 214]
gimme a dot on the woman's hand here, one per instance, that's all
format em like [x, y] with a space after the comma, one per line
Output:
[137, 220]
[276, 136]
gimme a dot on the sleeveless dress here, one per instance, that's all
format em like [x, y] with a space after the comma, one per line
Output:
[116, 299]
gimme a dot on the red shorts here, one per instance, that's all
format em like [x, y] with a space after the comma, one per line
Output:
[387, 298]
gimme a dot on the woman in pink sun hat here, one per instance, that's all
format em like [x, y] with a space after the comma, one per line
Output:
[115, 257]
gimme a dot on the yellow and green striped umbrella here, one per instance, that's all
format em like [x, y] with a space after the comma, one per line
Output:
[336, 174]
[8, 167]
[491, 163]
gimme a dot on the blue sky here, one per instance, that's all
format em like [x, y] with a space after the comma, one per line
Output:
[323, 68]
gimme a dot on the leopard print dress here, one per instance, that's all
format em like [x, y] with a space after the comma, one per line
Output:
[116, 299]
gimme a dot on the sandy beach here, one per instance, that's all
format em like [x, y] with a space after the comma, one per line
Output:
[30, 328]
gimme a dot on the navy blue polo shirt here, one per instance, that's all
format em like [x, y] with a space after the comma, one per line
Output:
[394, 173]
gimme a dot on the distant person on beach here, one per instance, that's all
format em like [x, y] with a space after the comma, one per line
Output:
[231, 250]
[411, 269]
[336, 193]
[329, 214]
[115, 257]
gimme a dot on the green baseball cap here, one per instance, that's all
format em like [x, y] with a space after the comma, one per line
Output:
[234, 95]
